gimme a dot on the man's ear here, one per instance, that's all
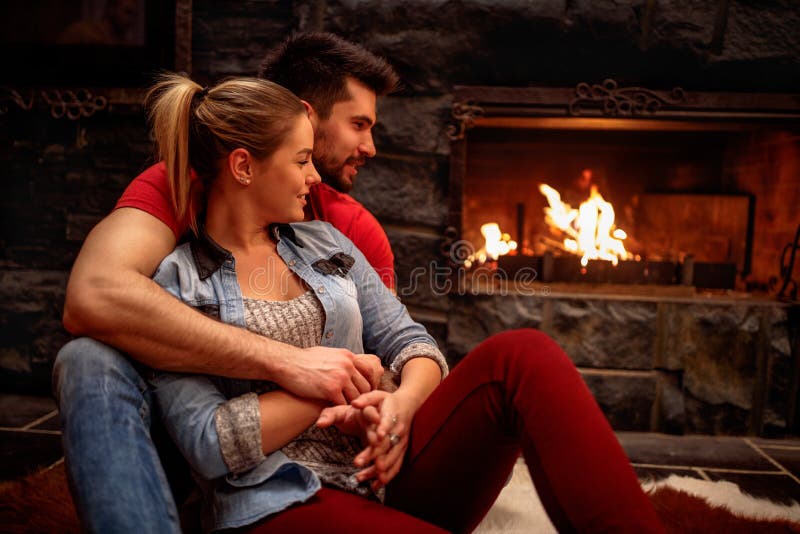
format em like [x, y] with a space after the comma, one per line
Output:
[240, 165]
[312, 114]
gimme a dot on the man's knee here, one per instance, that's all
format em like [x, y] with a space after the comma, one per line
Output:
[84, 361]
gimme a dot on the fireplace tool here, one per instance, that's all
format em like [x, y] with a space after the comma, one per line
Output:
[787, 267]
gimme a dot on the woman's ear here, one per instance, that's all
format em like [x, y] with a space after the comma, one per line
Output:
[312, 114]
[240, 164]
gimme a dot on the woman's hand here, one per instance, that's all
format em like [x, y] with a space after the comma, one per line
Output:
[390, 415]
[349, 420]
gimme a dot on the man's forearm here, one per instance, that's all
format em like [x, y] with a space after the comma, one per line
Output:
[138, 317]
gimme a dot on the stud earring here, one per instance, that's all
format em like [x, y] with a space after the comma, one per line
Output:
[244, 180]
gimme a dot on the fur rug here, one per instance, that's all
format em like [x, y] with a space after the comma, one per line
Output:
[684, 505]
[40, 503]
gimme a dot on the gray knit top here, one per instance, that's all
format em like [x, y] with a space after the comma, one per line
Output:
[327, 452]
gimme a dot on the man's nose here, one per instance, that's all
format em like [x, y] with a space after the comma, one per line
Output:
[367, 146]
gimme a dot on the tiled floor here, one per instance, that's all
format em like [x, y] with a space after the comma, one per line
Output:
[30, 439]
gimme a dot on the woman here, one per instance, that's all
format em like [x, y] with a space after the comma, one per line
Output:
[440, 456]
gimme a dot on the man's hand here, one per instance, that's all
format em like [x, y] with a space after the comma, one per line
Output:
[335, 375]
[371, 367]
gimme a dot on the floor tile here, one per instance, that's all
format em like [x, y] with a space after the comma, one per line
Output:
[694, 451]
[22, 453]
[19, 410]
[51, 423]
[788, 458]
[655, 474]
[788, 442]
[777, 488]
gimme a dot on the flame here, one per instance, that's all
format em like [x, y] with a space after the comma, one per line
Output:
[497, 244]
[590, 228]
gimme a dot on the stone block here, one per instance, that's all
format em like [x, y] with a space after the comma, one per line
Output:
[31, 304]
[780, 374]
[232, 38]
[717, 348]
[473, 318]
[420, 280]
[404, 190]
[670, 415]
[626, 399]
[413, 124]
[600, 333]
[703, 417]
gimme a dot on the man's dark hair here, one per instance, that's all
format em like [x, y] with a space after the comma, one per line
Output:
[315, 66]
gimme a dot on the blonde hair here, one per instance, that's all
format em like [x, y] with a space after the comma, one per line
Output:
[196, 128]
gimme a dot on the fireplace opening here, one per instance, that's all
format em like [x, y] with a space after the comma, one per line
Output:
[674, 193]
[684, 200]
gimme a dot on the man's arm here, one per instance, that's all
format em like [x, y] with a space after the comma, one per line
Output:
[111, 297]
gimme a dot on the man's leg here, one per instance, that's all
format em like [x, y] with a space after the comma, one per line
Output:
[115, 475]
[518, 391]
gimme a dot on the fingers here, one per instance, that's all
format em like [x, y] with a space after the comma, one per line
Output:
[370, 367]
[362, 385]
[371, 415]
[386, 476]
[387, 423]
[373, 398]
[331, 416]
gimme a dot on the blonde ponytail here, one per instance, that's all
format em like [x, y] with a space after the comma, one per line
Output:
[195, 128]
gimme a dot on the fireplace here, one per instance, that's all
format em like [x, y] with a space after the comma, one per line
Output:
[678, 172]
[680, 332]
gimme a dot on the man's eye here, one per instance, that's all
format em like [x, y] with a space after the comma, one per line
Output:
[359, 125]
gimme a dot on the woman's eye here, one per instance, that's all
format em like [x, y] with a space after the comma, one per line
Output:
[304, 162]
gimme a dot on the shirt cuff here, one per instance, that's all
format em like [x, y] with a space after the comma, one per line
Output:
[419, 350]
[238, 423]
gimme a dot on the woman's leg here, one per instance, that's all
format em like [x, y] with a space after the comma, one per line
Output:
[336, 512]
[518, 391]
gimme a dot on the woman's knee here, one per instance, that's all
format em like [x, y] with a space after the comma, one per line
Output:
[526, 348]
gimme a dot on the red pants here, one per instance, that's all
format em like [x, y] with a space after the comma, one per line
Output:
[517, 391]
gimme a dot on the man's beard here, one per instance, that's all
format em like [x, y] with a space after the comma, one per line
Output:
[329, 168]
[331, 173]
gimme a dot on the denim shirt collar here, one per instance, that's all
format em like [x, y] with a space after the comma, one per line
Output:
[209, 255]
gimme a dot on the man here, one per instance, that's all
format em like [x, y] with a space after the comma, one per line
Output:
[116, 476]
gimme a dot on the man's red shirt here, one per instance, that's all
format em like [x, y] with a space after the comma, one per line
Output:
[149, 192]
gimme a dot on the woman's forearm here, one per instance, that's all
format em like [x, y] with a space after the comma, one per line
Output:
[419, 378]
[284, 417]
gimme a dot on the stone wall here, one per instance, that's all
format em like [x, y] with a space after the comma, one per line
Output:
[712, 366]
[60, 177]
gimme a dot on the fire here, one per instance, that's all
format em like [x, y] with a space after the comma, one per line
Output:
[497, 244]
[590, 228]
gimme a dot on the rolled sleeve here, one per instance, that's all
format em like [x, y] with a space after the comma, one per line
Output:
[238, 423]
[419, 350]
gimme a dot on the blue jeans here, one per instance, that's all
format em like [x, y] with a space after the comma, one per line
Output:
[115, 474]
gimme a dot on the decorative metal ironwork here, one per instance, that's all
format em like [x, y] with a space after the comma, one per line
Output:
[70, 103]
[11, 96]
[614, 101]
[465, 115]
[788, 290]
[73, 104]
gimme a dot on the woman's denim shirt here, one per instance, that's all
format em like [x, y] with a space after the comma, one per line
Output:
[361, 315]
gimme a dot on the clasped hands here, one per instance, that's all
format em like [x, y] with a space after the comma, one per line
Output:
[382, 420]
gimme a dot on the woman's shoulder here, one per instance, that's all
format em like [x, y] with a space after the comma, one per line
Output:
[321, 232]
